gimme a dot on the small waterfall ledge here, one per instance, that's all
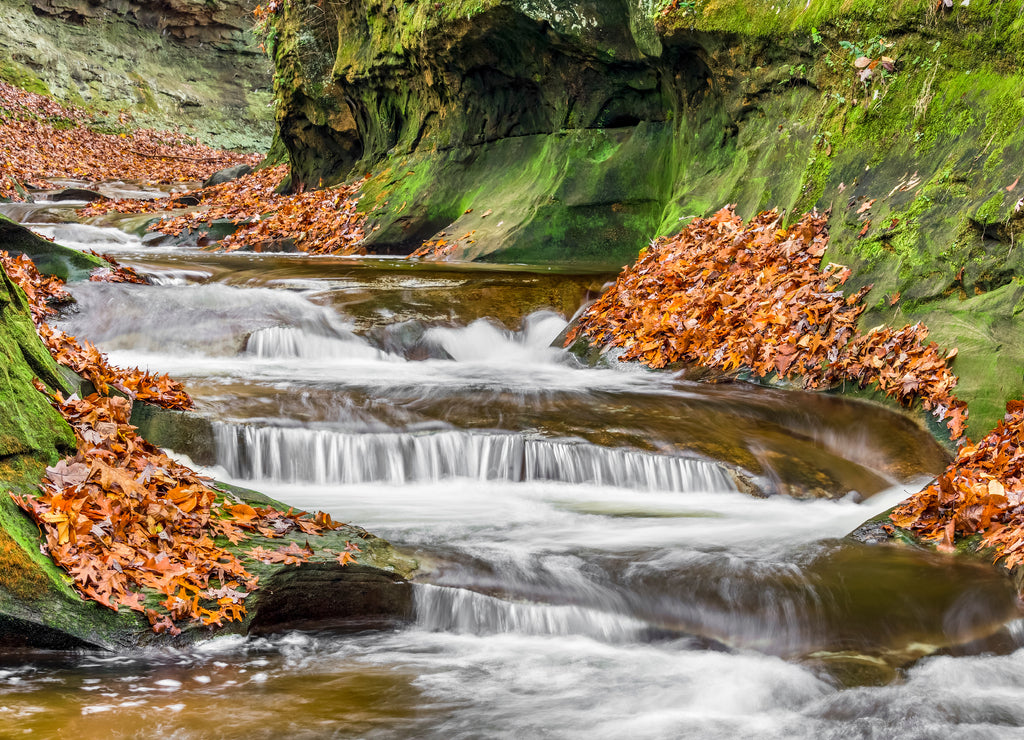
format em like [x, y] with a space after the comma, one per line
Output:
[320, 456]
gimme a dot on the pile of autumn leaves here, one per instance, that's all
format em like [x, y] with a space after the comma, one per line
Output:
[41, 139]
[730, 295]
[317, 222]
[120, 516]
[982, 492]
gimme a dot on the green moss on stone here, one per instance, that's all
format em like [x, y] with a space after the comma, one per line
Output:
[756, 104]
[49, 258]
[21, 76]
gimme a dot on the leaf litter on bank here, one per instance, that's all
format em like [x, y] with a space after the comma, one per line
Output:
[734, 296]
[41, 139]
[324, 221]
[729, 295]
[982, 492]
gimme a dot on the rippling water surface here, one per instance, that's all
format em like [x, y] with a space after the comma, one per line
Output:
[606, 552]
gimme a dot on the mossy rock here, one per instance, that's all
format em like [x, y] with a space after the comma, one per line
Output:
[50, 258]
[574, 133]
[37, 606]
[321, 594]
[189, 66]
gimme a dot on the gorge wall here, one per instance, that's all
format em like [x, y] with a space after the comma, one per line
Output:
[548, 131]
[172, 64]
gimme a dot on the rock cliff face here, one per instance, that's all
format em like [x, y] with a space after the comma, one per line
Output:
[555, 118]
[549, 131]
[179, 64]
[222, 23]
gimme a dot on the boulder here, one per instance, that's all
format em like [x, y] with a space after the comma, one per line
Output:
[50, 258]
[79, 194]
[227, 175]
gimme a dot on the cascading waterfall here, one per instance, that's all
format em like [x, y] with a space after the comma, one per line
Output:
[285, 342]
[326, 456]
[442, 609]
[545, 610]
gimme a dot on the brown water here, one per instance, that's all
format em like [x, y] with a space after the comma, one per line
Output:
[590, 568]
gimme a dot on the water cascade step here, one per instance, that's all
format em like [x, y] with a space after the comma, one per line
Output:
[321, 456]
[285, 342]
[443, 609]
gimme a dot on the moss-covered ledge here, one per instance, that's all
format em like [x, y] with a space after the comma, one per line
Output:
[37, 605]
[49, 258]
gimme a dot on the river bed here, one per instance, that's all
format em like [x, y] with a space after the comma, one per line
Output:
[606, 551]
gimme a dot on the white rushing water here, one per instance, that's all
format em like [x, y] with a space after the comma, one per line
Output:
[282, 337]
[324, 457]
[575, 586]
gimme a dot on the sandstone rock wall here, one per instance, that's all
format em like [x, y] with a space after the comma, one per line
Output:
[548, 131]
[177, 64]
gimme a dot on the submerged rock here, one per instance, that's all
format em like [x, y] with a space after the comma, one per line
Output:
[77, 194]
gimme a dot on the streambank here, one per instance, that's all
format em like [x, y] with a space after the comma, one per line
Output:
[39, 607]
[192, 67]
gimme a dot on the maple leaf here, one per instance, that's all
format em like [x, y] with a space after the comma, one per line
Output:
[241, 512]
[64, 474]
[133, 600]
[293, 548]
[345, 558]
[784, 358]
[957, 421]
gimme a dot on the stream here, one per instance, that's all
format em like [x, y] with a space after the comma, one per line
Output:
[606, 551]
